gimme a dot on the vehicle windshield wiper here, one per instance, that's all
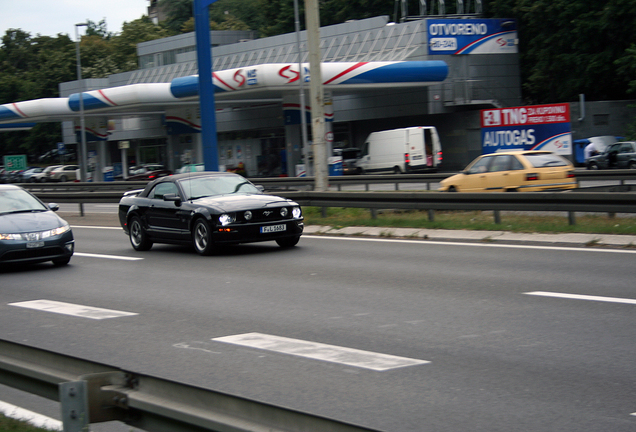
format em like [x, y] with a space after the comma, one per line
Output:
[238, 186]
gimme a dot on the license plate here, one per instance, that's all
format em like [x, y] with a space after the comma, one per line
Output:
[37, 244]
[273, 228]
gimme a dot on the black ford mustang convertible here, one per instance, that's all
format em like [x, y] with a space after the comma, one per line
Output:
[207, 209]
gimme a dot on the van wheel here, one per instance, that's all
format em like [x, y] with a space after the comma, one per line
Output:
[397, 170]
[632, 165]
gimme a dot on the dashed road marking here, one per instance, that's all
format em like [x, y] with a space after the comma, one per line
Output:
[318, 351]
[113, 257]
[582, 297]
[72, 309]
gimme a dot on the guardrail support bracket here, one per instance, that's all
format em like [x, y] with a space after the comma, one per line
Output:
[95, 398]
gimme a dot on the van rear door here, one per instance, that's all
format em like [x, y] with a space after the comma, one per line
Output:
[415, 148]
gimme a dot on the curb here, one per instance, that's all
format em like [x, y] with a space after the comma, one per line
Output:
[111, 220]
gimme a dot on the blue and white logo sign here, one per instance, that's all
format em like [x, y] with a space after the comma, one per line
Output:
[472, 36]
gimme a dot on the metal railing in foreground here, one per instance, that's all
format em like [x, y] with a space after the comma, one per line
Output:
[91, 392]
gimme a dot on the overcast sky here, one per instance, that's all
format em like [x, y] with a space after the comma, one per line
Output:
[50, 17]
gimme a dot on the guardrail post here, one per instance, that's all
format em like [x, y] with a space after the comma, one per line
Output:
[571, 218]
[74, 400]
[431, 215]
[497, 217]
[374, 213]
[81, 209]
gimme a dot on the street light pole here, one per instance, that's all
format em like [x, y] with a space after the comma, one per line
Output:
[83, 156]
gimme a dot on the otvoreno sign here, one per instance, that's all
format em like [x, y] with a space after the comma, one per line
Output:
[536, 127]
[472, 36]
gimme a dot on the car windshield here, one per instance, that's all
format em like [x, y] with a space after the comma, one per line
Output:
[200, 187]
[19, 201]
[543, 160]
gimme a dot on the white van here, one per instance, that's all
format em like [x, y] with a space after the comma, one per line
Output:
[401, 151]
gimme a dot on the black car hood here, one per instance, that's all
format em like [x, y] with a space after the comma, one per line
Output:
[237, 202]
[14, 223]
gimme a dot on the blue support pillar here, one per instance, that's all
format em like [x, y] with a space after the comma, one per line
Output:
[206, 86]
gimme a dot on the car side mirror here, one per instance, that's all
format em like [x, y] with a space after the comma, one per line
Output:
[260, 188]
[53, 206]
[174, 198]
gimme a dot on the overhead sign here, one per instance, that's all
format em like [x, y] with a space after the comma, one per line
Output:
[472, 36]
[536, 127]
[15, 162]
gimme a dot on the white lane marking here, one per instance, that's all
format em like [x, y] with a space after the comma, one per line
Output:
[582, 297]
[492, 245]
[97, 227]
[114, 257]
[72, 309]
[319, 351]
[35, 419]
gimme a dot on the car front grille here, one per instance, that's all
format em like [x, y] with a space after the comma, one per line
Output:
[264, 215]
[26, 254]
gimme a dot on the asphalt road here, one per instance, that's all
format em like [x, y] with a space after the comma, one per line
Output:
[484, 348]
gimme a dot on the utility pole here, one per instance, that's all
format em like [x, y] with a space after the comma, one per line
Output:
[312, 21]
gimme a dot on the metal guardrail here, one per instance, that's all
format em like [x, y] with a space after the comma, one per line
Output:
[91, 392]
[619, 176]
[595, 199]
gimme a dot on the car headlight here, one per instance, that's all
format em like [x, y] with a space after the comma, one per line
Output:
[227, 218]
[40, 235]
[296, 212]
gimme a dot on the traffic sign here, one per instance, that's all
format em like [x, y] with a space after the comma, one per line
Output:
[15, 162]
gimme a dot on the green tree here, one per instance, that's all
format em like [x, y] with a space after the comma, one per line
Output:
[178, 11]
[570, 47]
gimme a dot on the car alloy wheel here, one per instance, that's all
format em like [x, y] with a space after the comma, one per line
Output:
[202, 237]
[138, 237]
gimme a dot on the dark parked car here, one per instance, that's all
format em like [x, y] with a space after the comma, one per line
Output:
[30, 231]
[618, 155]
[148, 172]
[349, 157]
[207, 209]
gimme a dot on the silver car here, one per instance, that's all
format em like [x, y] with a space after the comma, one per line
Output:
[30, 231]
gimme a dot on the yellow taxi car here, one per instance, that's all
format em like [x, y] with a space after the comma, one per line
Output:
[514, 171]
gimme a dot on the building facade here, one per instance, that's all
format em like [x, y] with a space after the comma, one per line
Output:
[261, 131]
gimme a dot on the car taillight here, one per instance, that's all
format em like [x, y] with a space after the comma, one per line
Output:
[571, 174]
[439, 157]
[533, 176]
[407, 158]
